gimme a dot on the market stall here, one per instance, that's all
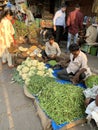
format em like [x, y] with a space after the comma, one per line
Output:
[51, 106]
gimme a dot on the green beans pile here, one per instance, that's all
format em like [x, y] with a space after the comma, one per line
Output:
[63, 103]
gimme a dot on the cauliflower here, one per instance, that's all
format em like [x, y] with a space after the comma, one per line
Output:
[35, 62]
[19, 68]
[27, 81]
[41, 68]
[24, 76]
[41, 73]
[25, 69]
[50, 70]
[32, 68]
[29, 63]
[31, 73]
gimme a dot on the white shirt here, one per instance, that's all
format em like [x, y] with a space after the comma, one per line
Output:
[52, 49]
[78, 63]
[59, 18]
[91, 34]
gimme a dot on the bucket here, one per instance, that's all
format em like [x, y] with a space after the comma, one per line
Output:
[93, 50]
[86, 48]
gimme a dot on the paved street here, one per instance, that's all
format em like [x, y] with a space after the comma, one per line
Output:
[16, 110]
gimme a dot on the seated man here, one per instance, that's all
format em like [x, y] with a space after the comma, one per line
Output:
[77, 68]
[90, 36]
[52, 50]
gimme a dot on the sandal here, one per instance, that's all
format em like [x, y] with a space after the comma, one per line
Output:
[11, 66]
[3, 63]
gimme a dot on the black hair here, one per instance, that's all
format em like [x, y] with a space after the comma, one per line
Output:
[51, 37]
[77, 6]
[5, 13]
[63, 5]
[74, 47]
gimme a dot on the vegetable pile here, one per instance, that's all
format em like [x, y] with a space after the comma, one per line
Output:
[37, 83]
[22, 30]
[91, 81]
[31, 67]
[60, 102]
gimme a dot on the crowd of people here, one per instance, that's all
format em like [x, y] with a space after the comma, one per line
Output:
[77, 68]
[77, 32]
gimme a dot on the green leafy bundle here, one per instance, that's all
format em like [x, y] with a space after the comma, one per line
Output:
[17, 78]
[37, 83]
[91, 81]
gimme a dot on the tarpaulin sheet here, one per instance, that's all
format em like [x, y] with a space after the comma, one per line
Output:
[64, 81]
[54, 125]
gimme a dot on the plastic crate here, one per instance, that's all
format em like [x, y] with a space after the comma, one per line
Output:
[86, 48]
[93, 50]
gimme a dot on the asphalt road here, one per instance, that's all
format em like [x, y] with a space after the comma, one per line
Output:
[17, 112]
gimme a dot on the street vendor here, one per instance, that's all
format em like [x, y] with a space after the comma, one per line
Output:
[91, 103]
[90, 36]
[77, 69]
[52, 49]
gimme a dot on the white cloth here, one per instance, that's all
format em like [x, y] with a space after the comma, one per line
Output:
[78, 63]
[91, 34]
[92, 111]
[53, 49]
[91, 92]
[6, 57]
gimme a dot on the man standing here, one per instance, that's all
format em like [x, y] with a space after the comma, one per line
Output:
[74, 23]
[59, 22]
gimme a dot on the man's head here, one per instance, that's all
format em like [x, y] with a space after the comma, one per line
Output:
[63, 7]
[51, 39]
[89, 22]
[77, 7]
[74, 49]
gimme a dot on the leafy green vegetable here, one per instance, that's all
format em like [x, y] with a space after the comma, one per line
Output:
[37, 83]
[17, 78]
[91, 81]
[52, 62]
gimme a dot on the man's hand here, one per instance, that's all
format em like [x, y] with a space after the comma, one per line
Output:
[75, 79]
[54, 28]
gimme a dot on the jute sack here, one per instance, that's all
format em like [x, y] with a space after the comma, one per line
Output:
[27, 93]
[45, 121]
